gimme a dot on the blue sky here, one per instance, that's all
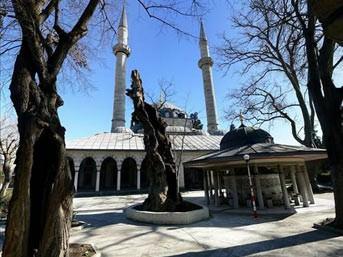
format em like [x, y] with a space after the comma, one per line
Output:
[158, 53]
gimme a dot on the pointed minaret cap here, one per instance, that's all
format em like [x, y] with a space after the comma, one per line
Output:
[123, 18]
[202, 31]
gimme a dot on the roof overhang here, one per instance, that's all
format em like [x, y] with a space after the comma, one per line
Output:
[216, 160]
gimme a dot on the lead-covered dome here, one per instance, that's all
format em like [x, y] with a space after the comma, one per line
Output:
[245, 136]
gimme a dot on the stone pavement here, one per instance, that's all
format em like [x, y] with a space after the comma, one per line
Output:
[227, 233]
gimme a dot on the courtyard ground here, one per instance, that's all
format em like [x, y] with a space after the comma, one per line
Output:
[226, 233]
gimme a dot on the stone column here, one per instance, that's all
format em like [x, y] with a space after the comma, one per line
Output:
[138, 177]
[302, 187]
[284, 188]
[207, 197]
[97, 181]
[234, 191]
[295, 185]
[216, 196]
[76, 178]
[258, 189]
[210, 185]
[119, 175]
[308, 185]
[219, 184]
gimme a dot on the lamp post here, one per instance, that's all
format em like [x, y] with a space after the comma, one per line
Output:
[246, 157]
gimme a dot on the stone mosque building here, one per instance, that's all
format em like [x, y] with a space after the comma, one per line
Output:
[112, 161]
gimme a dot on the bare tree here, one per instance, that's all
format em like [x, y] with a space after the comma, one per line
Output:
[42, 183]
[327, 96]
[283, 38]
[8, 148]
[159, 161]
[271, 48]
[48, 33]
[165, 95]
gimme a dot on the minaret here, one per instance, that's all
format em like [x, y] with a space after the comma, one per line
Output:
[205, 64]
[122, 51]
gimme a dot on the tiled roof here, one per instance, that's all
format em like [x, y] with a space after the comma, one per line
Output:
[126, 141]
[260, 151]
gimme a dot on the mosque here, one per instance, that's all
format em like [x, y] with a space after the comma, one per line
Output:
[111, 162]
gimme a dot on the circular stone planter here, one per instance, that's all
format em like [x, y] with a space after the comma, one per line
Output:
[167, 218]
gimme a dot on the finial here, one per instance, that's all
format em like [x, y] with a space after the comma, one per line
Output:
[241, 118]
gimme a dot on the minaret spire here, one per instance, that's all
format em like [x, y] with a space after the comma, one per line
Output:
[202, 32]
[123, 18]
[122, 51]
[205, 64]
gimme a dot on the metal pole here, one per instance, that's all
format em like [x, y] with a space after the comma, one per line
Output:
[253, 201]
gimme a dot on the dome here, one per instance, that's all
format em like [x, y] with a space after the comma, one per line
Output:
[169, 110]
[245, 136]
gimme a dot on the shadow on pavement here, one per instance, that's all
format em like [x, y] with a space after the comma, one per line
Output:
[222, 219]
[268, 245]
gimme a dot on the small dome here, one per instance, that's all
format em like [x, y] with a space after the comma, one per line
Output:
[169, 110]
[245, 136]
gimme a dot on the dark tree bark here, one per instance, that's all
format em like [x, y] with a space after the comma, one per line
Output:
[159, 161]
[40, 210]
[327, 100]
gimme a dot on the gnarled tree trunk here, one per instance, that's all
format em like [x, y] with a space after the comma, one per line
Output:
[159, 161]
[40, 210]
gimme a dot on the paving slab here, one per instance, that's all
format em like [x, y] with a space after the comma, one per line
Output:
[227, 233]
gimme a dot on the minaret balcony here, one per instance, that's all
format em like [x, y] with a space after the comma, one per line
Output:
[122, 49]
[205, 61]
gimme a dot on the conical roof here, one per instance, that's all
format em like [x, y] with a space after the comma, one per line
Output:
[202, 32]
[123, 18]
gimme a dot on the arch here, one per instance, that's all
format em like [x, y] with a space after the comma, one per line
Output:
[71, 164]
[129, 174]
[87, 175]
[108, 174]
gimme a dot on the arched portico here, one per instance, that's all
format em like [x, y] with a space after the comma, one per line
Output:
[108, 174]
[129, 174]
[87, 175]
